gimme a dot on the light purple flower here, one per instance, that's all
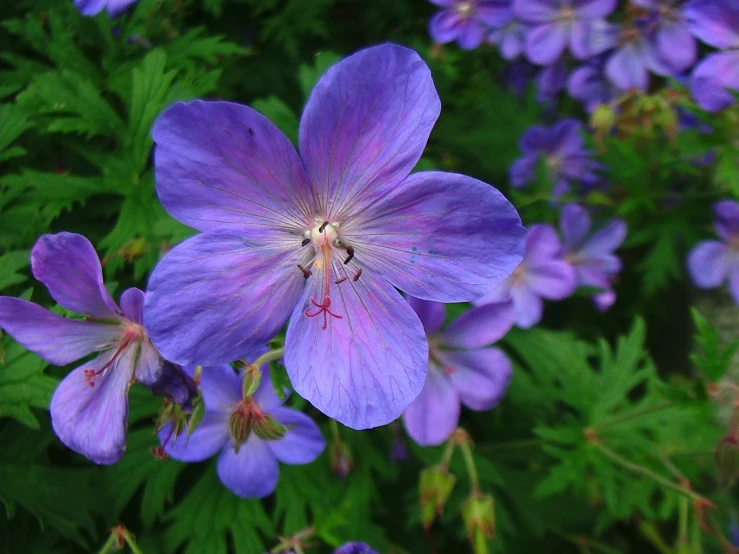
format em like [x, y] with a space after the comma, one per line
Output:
[325, 235]
[463, 369]
[635, 55]
[563, 151]
[669, 34]
[510, 39]
[542, 274]
[467, 21]
[250, 470]
[89, 409]
[355, 548]
[555, 25]
[592, 255]
[589, 85]
[551, 80]
[94, 7]
[714, 262]
[717, 24]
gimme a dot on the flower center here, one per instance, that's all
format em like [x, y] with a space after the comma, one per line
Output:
[327, 243]
[133, 333]
[567, 14]
[464, 9]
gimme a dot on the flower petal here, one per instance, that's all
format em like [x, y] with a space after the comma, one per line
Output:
[303, 441]
[209, 437]
[221, 387]
[132, 305]
[117, 7]
[575, 224]
[365, 126]
[90, 7]
[542, 244]
[481, 376]
[546, 43]
[675, 46]
[431, 314]
[149, 363]
[92, 420]
[708, 264]
[471, 33]
[70, 268]
[726, 223]
[57, 340]
[712, 80]
[535, 11]
[434, 414]
[441, 236]
[218, 296]
[626, 68]
[252, 473]
[444, 26]
[734, 285]
[364, 369]
[480, 326]
[592, 9]
[714, 22]
[528, 306]
[604, 241]
[555, 279]
[220, 164]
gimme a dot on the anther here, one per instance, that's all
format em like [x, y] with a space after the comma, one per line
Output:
[350, 251]
[357, 275]
[305, 242]
[306, 272]
[339, 281]
[323, 226]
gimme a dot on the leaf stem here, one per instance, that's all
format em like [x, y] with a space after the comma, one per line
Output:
[636, 414]
[132, 544]
[108, 544]
[469, 462]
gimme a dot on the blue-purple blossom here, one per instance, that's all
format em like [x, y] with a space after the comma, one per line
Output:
[510, 39]
[517, 75]
[247, 465]
[89, 409]
[715, 262]
[542, 274]
[562, 149]
[94, 7]
[714, 79]
[589, 85]
[551, 80]
[467, 21]
[323, 237]
[556, 25]
[592, 255]
[463, 368]
[669, 34]
[355, 548]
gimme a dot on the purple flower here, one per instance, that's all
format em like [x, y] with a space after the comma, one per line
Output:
[517, 75]
[461, 369]
[542, 274]
[556, 24]
[175, 385]
[589, 85]
[94, 7]
[717, 24]
[510, 39]
[467, 21]
[89, 409]
[712, 263]
[551, 80]
[669, 33]
[247, 464]
[355, 548]
[592, 256]
[325, 235]
[564, 154]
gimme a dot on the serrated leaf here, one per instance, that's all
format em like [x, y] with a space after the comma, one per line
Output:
[10, 263]
[13, 123]
[280, 114]
[308, 75]
[22, 384]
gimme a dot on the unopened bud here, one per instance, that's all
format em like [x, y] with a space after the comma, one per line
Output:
[435, 487]
[726, 457]
[267, 428]
[602, 120]
[252, 378]
[478, 514]
[240, 426]
[340, 458]
[198, 411]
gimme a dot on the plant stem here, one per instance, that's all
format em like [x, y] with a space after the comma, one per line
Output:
[446, 458]
[108, 544]
[636, 468]
[470, 464]
[268, 357]
[510, 445]
[132, 544]
[619, 420]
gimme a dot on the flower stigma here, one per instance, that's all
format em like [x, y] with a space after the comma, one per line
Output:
[133, 333]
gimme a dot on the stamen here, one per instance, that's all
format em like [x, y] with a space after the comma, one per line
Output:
[350, 251]
[357, 275]
[322, 228]
[339, 281]
[323, 308]
[91, 374]
[306, 272]
[305, 242]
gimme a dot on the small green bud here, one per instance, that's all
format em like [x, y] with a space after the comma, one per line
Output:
[603, 119]
[340, 458]
[435, 487]
[478, 514]
[252, 378]
[198, 411]
[240, 426]
[726, 457]
[267, 428]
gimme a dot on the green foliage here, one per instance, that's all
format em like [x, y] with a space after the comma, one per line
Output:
[714, 358]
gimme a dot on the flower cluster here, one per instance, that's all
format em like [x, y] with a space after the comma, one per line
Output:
[652, 37]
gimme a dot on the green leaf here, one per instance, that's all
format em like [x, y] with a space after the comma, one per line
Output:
[210, 514]
[10, 263]
[151, 92]
[308, 75]
[13, 123]
[22, 384]
[280, 114]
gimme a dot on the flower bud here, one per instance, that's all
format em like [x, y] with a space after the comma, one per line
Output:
[267, 428]
[435, 487]
[340, 458]
[240, 426]
[478, 514]
[726, 457]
